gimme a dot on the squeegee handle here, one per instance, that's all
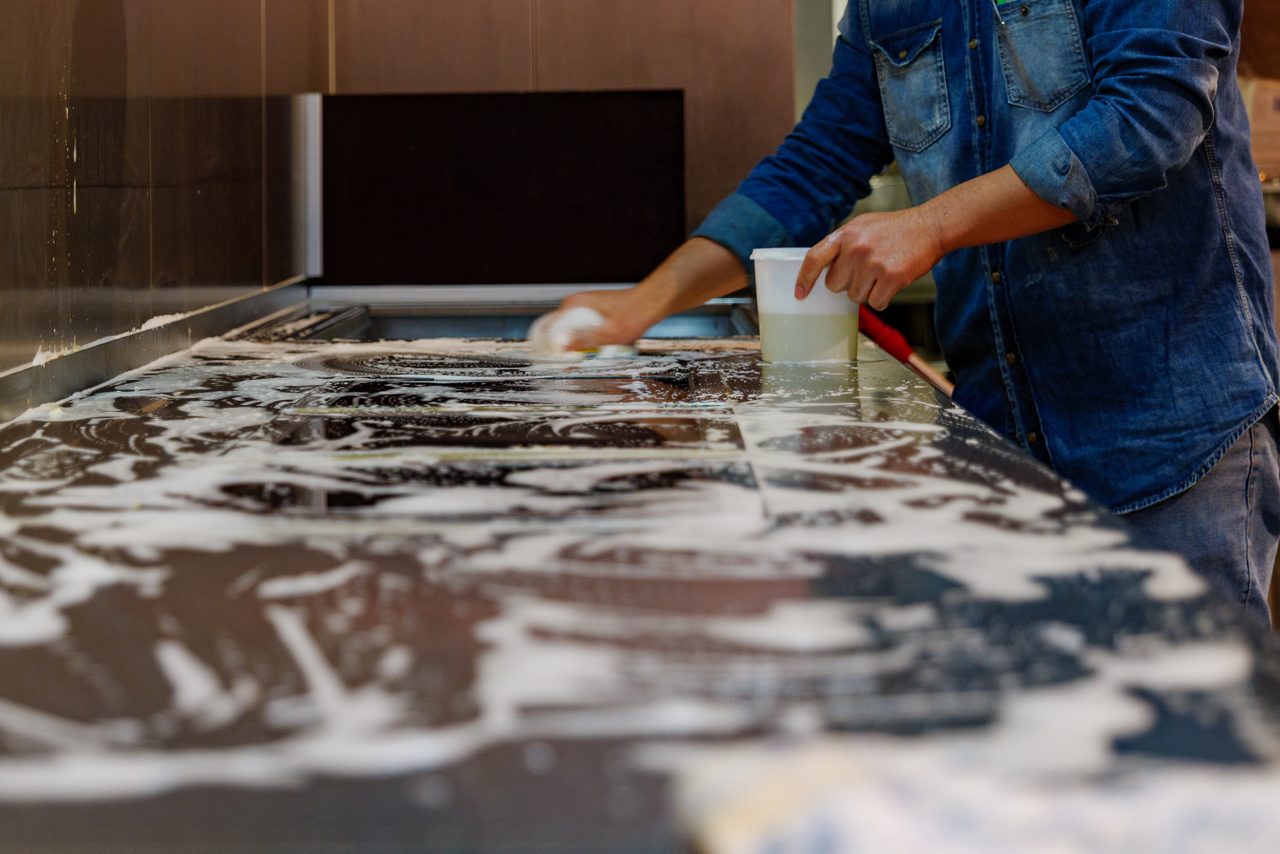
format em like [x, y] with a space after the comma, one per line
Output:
[895, 344]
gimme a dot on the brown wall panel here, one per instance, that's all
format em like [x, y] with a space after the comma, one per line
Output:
[297, 46]
[107, 272]
[297, 62]
[733, 58]
[1260, 52]
[207, 243]
[109, 127]
[75, 259]
[33, 79]
[206, 150]
[198, 48]
[27, 310]
[433, 46]
[130, 164]
[207, 228]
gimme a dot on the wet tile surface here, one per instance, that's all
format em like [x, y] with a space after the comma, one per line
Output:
[438, 595]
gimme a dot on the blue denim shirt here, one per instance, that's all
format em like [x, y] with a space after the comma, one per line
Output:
[1128, 350]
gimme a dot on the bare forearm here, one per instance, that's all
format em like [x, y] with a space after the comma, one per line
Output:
[874, 256]
[696, 272]
[994, 208]
[700, 270]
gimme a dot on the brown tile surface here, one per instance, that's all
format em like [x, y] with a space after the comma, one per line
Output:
[433, 46]
[403, 630]
[732, 58]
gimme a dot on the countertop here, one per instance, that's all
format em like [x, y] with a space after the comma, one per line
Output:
[434, 595]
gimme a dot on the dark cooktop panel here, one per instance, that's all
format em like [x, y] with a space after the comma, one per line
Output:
[546, 187]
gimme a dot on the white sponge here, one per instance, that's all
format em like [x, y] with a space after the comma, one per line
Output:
[550, 334]
[617, 351]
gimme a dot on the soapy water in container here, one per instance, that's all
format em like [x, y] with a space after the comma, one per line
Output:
[823, 327]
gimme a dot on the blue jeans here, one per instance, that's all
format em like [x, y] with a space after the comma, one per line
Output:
[1227, 526]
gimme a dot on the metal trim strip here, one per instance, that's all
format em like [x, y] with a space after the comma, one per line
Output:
[23, 388]
[508, 297]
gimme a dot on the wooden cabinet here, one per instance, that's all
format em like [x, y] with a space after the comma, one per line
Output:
[732, 58]
[432, 46]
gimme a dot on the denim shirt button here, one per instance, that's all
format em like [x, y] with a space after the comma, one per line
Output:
[1032, 438]
[981, 121]
[1011, 358]
[996, 277]
[1063, 167]
[973, 44]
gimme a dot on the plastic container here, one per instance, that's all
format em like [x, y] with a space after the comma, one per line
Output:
[823, 327]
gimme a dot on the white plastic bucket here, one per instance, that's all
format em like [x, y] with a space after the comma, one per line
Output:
[823, 327]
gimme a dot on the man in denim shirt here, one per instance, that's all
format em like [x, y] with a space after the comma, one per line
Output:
[1085, 195]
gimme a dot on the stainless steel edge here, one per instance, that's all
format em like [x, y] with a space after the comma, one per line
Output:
[492, 298]
[23, 388]
[309, 118]
[419, 296]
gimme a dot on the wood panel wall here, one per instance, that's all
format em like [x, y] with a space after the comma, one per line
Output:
[1260, 51]
[131, 165]
[733, 59]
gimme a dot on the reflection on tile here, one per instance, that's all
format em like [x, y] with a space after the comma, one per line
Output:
[627, 490]
[365, 608]
[510, 427]
[412, 395]
[197, 574]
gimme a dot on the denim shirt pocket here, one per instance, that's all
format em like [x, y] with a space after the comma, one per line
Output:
[1041, 53]
[913, 85]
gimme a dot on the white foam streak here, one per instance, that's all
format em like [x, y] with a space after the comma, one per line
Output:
[310, 584]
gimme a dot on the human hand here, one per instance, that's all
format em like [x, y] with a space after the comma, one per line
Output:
[626, 317]
[874, 256]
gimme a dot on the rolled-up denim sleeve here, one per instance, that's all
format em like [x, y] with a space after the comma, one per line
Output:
[1156, 66]
[801, 192]
[740, 225]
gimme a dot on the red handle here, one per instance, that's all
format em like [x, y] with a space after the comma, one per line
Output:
[889, 339]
